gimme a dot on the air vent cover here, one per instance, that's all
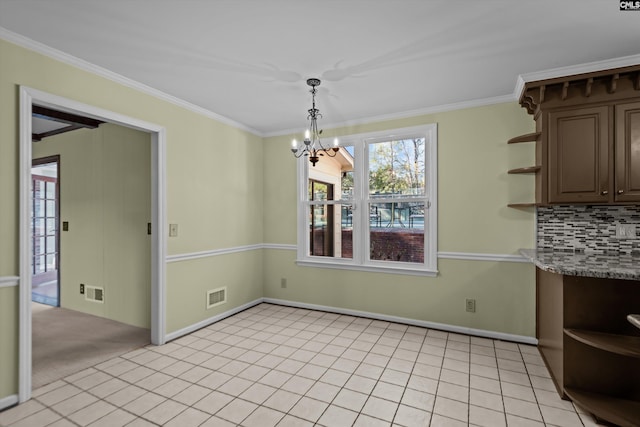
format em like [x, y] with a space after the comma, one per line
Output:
[216, 297]
[95, 294]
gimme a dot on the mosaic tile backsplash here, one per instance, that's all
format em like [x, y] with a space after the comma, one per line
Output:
[589, 229]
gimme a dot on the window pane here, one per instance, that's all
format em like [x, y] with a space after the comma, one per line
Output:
[38, 226]
[51, 190]
[330, 230]
[321, 241]
[38, 265]
[346, 232]
[346, 184]
[400, 234]
[320, 190]
[38, 245]
[51, 208]
[38, 207]
[51, 262]
[347, 216]
[38, 188]
[397, 168]
[51, 243]
[51, 225]
[416, 215]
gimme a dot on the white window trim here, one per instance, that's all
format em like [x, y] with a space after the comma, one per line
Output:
[430, 267]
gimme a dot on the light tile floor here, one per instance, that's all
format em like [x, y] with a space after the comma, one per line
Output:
[280, 366]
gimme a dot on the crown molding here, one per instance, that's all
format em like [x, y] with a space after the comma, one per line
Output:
[571, 70]
[63, 57]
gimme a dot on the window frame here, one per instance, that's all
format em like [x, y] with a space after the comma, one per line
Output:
[361, 200]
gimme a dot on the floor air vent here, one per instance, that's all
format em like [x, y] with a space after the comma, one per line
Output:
[216, 297]
[94, 294]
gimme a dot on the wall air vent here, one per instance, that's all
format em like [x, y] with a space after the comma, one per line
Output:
[94, 293]
[216, 297]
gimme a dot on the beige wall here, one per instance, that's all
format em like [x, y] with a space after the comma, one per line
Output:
[8, 336]
[105, 196]
[473, 192]
[214, 192]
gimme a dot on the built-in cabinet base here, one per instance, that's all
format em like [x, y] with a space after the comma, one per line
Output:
[589, 347]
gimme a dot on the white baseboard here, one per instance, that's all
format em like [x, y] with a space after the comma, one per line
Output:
[377, 316]
[7, 402]
[184, 331]
[414, 322]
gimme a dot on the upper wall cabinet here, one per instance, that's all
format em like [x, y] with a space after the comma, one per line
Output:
[588, 148]
[627, 150]
[579, 155]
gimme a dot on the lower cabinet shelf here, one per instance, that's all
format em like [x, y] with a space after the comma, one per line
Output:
[624, 345]
[623, 412]
[589, 347]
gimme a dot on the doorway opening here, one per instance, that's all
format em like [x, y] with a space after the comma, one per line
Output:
[29, 98]
[45, 220]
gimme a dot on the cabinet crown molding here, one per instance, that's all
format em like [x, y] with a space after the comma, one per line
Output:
[597, 86]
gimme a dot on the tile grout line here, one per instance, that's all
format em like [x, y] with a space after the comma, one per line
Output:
[293, 339]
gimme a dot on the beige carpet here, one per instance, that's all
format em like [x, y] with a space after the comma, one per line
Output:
[66, 341]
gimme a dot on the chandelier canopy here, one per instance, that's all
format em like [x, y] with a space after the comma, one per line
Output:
[313, 147]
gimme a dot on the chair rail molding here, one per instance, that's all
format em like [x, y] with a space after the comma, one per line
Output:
[468, 256]
[9, 281]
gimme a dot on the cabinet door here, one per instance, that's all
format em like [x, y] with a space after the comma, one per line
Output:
[579, 155]
[627, 152]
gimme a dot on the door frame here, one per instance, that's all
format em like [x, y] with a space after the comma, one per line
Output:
[29, 96]
[45, 161]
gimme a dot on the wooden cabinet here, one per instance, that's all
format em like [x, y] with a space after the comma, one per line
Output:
[627, 151]
[579, 146]
[589, 347]
[594, 154]
[587, 139]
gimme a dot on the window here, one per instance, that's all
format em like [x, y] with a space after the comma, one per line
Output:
[373, 205]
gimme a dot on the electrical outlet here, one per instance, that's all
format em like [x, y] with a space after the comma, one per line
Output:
[471, 305]
[283, 283]
[82, 288]
[625, 231]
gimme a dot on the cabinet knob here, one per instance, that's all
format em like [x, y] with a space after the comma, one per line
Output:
[604, 192]
[620, 191]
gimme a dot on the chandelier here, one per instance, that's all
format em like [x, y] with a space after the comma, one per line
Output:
[312, 144]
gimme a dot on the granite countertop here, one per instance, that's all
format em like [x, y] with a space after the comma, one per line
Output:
[608, 266]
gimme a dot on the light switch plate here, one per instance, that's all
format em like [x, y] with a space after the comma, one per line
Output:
[173, 230]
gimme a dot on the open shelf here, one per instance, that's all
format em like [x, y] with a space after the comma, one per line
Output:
[626, 345]
[623, 412]
[524, 138]
[528, 169]
[634, 319]
[522, 205]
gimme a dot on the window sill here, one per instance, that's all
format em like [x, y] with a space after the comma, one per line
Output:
[368, 268]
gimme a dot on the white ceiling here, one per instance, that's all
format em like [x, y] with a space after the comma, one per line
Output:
[248, 60]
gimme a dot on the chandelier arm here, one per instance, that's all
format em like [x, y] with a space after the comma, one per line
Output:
[300, 154]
